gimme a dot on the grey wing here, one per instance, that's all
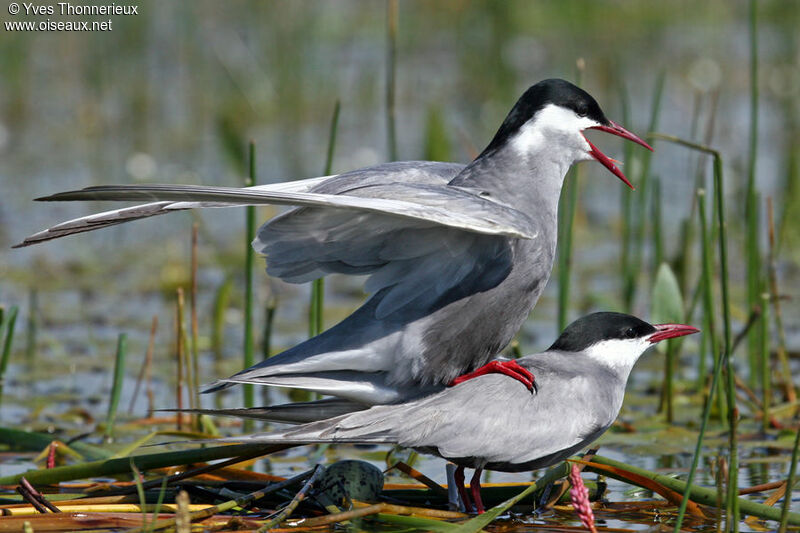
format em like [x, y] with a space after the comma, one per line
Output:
[416, 261]
[113, 217]
[488, 217]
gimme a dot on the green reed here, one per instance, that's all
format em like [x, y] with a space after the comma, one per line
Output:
[766, 385]
[787, 497]
[222, 299]
[249, 287]
[639, 211]
[391, 67]
[732, 501]
[33, 325]
[315, 311]
[698, 449]
[752, 252]
[116, 387]
[569, 205]
[707, 287]
[9, 323]
[772, 277]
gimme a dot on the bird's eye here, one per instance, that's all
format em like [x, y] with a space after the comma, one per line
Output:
[630, 333]
[582, 111]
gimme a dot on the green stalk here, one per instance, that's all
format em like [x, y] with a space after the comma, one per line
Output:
[766, 375]
[701, 495]
[776, 305]
[698, 450]
[122, 465]
[194, 353]
[32, 441]
[706, 280]
[33, 326]
[391, 61]
[315, 311]
[269, 322]
[658, 240]
[669, 379]
[732, 499]
[9, 340]
[570, 191]
[627, 217]
[639, 229]
[249, 289]
[733, 412]
[787, 498]
[751, 205]
[116, 388]
[221, 302]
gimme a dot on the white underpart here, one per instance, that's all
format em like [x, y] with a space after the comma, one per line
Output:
[619, 354]
[555, 131]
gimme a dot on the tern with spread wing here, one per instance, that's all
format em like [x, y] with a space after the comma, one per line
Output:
[456, 255]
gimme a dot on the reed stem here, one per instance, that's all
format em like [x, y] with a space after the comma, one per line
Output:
[391, 63]
[787, 497]
[791, 395]
[698, 449]
[179, 348]
[249, 288]
[566, 225]
[639, 229]
[766, 375]
[116, 387]
[316, 322]
[146, 371]
[751, 201]
[33, 325]
[9, 322]
[194, 353]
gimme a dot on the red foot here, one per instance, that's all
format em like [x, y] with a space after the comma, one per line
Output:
[511, 369]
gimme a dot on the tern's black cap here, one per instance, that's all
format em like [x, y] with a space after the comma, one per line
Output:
[552, 91]
[597, 327]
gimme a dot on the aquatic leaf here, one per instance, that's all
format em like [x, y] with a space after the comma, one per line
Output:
[667, 301]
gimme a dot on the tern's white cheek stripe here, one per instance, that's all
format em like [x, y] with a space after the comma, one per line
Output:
[620, 354]
[554, 128]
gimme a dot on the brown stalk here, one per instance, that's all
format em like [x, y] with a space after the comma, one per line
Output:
[380, 508]
[195, 383]
[289, 509]
[791, 394]
[419, 476]
[145, 371]
[35, 498]
[179, 357]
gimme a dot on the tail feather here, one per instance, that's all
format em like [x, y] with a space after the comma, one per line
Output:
[293, 413]
[365, 388]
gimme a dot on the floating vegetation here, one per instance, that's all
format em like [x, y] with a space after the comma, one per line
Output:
[709, 434]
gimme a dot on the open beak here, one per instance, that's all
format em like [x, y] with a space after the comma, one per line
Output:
[670, 331]
[614, 129]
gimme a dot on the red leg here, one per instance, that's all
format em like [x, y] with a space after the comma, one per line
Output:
[510, 368]
[458, 476]
[475, 489]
